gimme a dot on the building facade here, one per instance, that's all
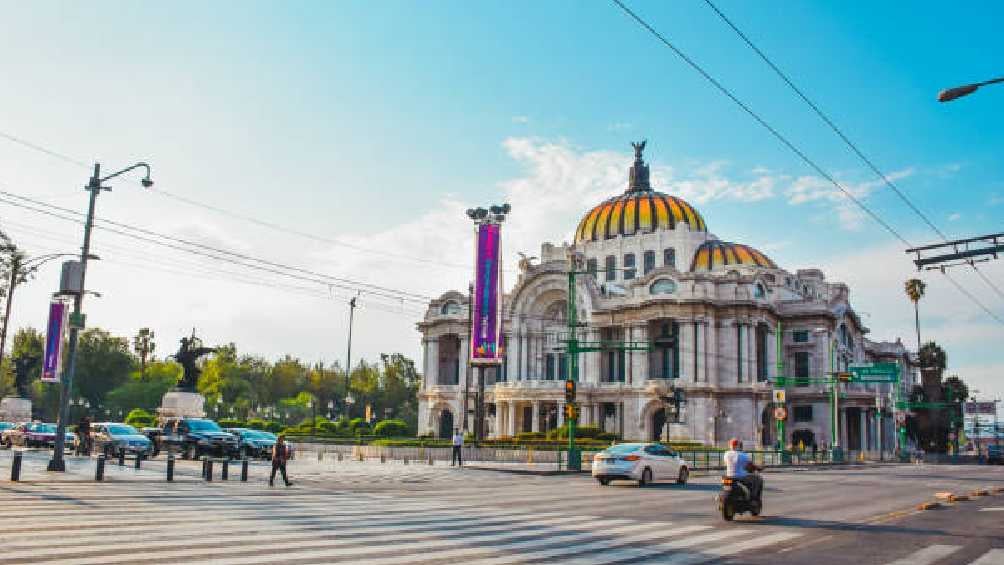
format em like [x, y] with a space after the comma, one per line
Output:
[669, 306]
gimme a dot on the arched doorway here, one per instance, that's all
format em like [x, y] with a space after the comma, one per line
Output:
[658, 425]
[445, 424]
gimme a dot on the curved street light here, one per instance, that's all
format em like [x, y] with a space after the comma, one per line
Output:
[950, 94]
[94, 186]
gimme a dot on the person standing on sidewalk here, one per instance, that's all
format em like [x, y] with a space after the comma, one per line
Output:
[280, 453]
[458, 444]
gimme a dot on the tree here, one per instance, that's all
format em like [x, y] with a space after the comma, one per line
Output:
[143, 345]
[932, 357]
[144, 393]
[14, 270]
[104, 362]
[915, 290]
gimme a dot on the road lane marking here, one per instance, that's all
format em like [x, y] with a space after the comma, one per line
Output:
[993, 509]
[928, 555]
[992, 557]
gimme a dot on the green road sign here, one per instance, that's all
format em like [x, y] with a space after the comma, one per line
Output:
[875, 372]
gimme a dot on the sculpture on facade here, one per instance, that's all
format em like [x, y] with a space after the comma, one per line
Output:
[525, 262]
[188, 356]
[638, 148]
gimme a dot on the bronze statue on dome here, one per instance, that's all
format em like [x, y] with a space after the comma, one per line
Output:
[638, 148]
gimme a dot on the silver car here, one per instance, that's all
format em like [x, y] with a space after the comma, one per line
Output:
[111, 437]
[642, 462]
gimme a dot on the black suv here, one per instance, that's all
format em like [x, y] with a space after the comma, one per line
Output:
[195, 437]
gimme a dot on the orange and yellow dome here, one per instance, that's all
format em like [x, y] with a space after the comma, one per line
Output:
[714, 254]
[636, 212]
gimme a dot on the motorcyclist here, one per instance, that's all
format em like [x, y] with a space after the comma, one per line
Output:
[739, 465]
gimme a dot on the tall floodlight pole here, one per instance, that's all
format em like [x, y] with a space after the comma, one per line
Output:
[348, 362]
[486, 321]
[77, 316]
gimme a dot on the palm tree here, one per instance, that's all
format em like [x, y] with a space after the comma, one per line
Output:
[915, 290]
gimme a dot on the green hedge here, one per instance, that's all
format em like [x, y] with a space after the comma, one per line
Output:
[391, 428]
[139, 418]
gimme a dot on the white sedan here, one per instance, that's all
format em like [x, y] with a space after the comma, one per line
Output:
[642, 462]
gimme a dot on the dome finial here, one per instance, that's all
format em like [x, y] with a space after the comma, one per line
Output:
[638, 175]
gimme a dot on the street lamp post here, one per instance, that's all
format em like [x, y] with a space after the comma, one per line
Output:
[950, 94]
[94, 186]
[836, 453]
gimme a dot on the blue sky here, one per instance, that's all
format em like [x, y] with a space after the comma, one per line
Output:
[376, 122]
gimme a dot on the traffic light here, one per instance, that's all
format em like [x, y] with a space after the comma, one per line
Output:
[569, 392]
[570, 410]
[845, 377]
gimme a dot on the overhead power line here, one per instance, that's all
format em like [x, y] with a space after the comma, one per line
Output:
[780, 137]
[850, 144]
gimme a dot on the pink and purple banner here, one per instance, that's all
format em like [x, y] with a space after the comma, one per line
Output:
[486, 338]
[52, 363]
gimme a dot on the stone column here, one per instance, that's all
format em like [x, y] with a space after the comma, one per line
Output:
[510, 418]
[462, 362]
[432, 377]
[619, 418]
[686, 345]
[700, 351]
[536, 416]
[714, 351]
[639, 361]
[751, 351]
[561, 412]
[863, 429]
[772, 353]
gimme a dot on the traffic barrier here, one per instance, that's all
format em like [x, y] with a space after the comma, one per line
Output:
[139, 459]
[225, 472]
[405, 460]
[15, 467]
[205, 463]
[383, 458]
[244, 470]
[99, 469]
[170, 467]
[121, 457]
[430, 459]
[320, 455]
[209, 470]
[340, 455]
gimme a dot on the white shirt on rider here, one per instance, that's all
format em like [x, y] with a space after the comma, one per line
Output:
[735, 463]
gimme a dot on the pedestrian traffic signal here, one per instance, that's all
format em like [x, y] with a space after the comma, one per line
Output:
[570, 410]
[569, 392]
[845, 377]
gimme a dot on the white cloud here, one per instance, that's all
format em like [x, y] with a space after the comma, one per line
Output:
[817, 190]
[995, 200]
[520, 119]
[620, 126]
[955, 216]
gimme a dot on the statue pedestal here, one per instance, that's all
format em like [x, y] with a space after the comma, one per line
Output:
[14, 409]
[178, 404]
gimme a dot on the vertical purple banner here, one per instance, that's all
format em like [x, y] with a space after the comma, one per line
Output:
[485, 319]
[53, 361]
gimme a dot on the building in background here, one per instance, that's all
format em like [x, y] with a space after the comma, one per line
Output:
[711, 310]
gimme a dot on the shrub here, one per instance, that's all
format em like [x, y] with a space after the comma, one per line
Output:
[139, 418]
[231, 423]
[356, 423]
[274, 427]
[256, 424]
[391, 428]
[607, 436]
[531, 436]
[328, 428]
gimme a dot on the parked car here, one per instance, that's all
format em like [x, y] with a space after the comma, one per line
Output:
[195, 437]
[4, 426]
[110, 437]
[253, 443]
[642, 462]
[36, 434]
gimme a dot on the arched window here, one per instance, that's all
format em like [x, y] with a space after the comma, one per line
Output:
[759, 291]
[662, 286]
[450, 308]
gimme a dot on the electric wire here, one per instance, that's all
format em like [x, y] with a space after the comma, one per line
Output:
[850, 144]
[780, 137]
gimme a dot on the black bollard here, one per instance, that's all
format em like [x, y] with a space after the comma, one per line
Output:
[205, 464]
[121, 457]
[99, 469]
[170, 468]
[15, 467]
[225, 472]
[244, 470]
[139, 458]
[209, 470]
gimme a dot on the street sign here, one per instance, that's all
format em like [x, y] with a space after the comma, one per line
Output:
[987, 408]
[779, 395]
[780, 413]
[875, 371]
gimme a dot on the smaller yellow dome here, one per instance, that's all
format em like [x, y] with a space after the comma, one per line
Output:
[713, 255]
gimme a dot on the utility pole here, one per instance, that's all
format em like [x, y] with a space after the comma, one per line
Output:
[15, 267]
[348, 362]
[77, 316]
[781, 437]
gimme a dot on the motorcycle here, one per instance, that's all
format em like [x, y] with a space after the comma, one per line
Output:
[736, 498]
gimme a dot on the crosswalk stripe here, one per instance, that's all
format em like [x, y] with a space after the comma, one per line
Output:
[993, 509]
[238, 531]
[393, 544]
[927, 555]
[992, 557]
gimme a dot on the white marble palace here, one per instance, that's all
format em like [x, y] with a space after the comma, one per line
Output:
[711, 312]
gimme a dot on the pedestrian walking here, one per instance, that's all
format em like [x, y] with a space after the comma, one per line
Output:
[458, 444]
[83, 446]
[280, 453]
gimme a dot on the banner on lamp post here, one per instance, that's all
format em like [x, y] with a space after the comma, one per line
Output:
[52, 363]
[486, 322]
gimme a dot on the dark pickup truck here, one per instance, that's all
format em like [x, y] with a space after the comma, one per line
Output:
[194, 437]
